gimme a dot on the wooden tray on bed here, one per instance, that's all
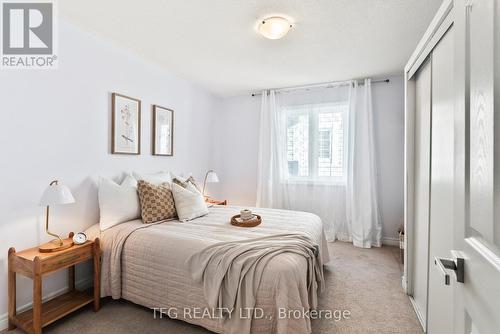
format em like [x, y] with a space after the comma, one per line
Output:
[251, 223]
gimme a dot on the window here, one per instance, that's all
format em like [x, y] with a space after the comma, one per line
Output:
[316, 142]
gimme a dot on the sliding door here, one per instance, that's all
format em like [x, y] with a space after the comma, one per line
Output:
[422, 144]
[440, 298]
[434, 196]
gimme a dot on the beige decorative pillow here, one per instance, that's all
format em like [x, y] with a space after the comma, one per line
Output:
[184, 183]
[157, 202]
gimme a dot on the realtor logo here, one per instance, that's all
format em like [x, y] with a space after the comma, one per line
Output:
[28, 35]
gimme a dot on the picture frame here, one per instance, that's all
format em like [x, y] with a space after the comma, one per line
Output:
[126, 125]
[163, 131]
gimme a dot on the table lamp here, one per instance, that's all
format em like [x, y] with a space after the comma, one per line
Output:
[55, 194]
[211, 177]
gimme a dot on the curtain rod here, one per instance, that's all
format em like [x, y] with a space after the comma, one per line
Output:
[325, 84]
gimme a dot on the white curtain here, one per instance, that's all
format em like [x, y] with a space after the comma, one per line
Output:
[347, 205]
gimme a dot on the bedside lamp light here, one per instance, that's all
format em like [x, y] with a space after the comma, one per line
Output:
[210, 177]
[55, 194]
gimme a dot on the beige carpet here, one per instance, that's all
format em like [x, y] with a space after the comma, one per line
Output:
[366, 282]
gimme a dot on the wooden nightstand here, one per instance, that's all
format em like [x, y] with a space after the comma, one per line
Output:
[33, 264]
[215, 201]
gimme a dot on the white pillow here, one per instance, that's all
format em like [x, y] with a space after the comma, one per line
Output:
[130, 181]
[155, 178]
[189, 202]
[118, 203]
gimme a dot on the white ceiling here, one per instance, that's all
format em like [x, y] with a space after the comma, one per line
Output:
[214, 43]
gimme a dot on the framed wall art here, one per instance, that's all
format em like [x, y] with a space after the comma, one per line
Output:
[126, 125]
[163, 131]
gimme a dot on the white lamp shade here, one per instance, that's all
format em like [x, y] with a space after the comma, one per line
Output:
[212, 177]
[56, 194]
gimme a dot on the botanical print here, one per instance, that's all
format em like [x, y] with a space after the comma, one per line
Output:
[126, 133]
[126, 125]
[163, 131]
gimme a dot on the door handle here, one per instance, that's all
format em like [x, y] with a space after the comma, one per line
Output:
[446, 265]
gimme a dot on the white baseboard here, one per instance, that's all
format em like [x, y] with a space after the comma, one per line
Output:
[419, 315]
[80, 284]
[390, 241]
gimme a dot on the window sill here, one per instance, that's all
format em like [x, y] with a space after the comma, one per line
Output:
[333, 183]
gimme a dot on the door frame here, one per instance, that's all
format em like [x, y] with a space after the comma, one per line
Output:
[438, 27]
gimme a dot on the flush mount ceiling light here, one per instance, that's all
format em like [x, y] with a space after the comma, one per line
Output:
[274, 27]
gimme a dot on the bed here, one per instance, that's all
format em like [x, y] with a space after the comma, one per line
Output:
[146, 264]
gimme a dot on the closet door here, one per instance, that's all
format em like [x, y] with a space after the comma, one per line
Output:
[440, 298]
[422, 144]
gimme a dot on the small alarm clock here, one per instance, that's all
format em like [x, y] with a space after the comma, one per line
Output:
[80, 238]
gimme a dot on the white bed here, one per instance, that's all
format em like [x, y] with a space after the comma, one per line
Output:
[146, 264]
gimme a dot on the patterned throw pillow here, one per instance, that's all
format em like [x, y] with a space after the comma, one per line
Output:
[157, 202]
[184, 184]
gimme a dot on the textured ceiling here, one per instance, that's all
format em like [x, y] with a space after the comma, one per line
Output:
[214, 43]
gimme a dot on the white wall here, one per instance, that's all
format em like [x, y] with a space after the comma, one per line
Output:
[388, 110]
[237, 138]
[56, 125]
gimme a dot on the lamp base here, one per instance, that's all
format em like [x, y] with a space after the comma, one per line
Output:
[53, 246]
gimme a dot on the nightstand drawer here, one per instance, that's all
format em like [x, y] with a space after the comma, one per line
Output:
[66, 260]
